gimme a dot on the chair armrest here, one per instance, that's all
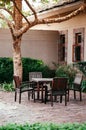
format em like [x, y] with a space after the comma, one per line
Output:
[27, 84]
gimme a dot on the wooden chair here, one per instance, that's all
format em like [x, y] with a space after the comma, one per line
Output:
[76, 85]
[21, 87]
[58, 88]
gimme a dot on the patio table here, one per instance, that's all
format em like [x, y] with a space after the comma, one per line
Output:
[44, 80]
[44, 86]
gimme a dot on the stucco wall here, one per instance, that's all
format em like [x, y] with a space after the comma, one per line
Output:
[42, 43]
[5, 43]
[74, 23]
[35, 44]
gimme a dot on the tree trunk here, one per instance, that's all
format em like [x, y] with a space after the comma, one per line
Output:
[17, 62]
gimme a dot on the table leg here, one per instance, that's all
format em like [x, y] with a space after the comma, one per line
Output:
[38, 90]
[45, 94]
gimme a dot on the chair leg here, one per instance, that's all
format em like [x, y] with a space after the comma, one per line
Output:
[28, 95]
[38, 93]
[34, 95]
[15, 95]
[20, 97]
[60, 99]
[80, 96]
[68, 95]
[74, 94]
[65, 100]
[46, 96]
[42, 93]
[51, 98]
[55, 98]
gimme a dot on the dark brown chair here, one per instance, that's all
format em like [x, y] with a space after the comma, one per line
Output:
[21, 87]
[58, 88]
[76, 85]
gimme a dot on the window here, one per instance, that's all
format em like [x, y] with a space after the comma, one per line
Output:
[62, 46]
[77, 48]
[62, 39]
[78, 53]
[78, 38]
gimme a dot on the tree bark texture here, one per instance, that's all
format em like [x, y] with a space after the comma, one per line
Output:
[17, 62]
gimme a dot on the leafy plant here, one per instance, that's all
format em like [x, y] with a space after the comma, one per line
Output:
[32, 65]
[84, 86]
[81, 66]
[29, 65]
[6, 70]
[66, 71]
[45, 126]
[7, 86]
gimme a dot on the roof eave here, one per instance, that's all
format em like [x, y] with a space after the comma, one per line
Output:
[60, 10]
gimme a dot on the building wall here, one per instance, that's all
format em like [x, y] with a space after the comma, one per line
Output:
[5, 43]
[74, 23]
[40, 45]
[35, 44]
[41, 41]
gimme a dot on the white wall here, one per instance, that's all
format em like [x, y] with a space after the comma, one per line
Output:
[5, 43]
[42, 43]
[35, 44]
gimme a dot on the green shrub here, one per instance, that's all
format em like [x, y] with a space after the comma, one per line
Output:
[33, 65]
[66, 71]
[7, 86]
[84, 86]
[81, 66]
[46, 126]
[70, 72]
[29, 65]
[6, 70]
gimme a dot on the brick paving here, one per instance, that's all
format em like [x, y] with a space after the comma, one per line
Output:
[30, 112]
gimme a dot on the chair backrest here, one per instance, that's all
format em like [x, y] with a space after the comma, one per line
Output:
[78, 79]
[34, 75]
[59, 83]
[16, 81]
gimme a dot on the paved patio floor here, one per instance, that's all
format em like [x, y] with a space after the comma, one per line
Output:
[30, 112]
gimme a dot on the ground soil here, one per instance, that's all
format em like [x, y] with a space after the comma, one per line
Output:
[30, 112]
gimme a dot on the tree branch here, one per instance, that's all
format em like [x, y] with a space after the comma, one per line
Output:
[34, 12]
[10, 24]
[61, 19]
[8, 11]
[54, 20]
[20, 12]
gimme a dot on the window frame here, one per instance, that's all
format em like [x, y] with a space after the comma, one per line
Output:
[77, 41]
[61, 46]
